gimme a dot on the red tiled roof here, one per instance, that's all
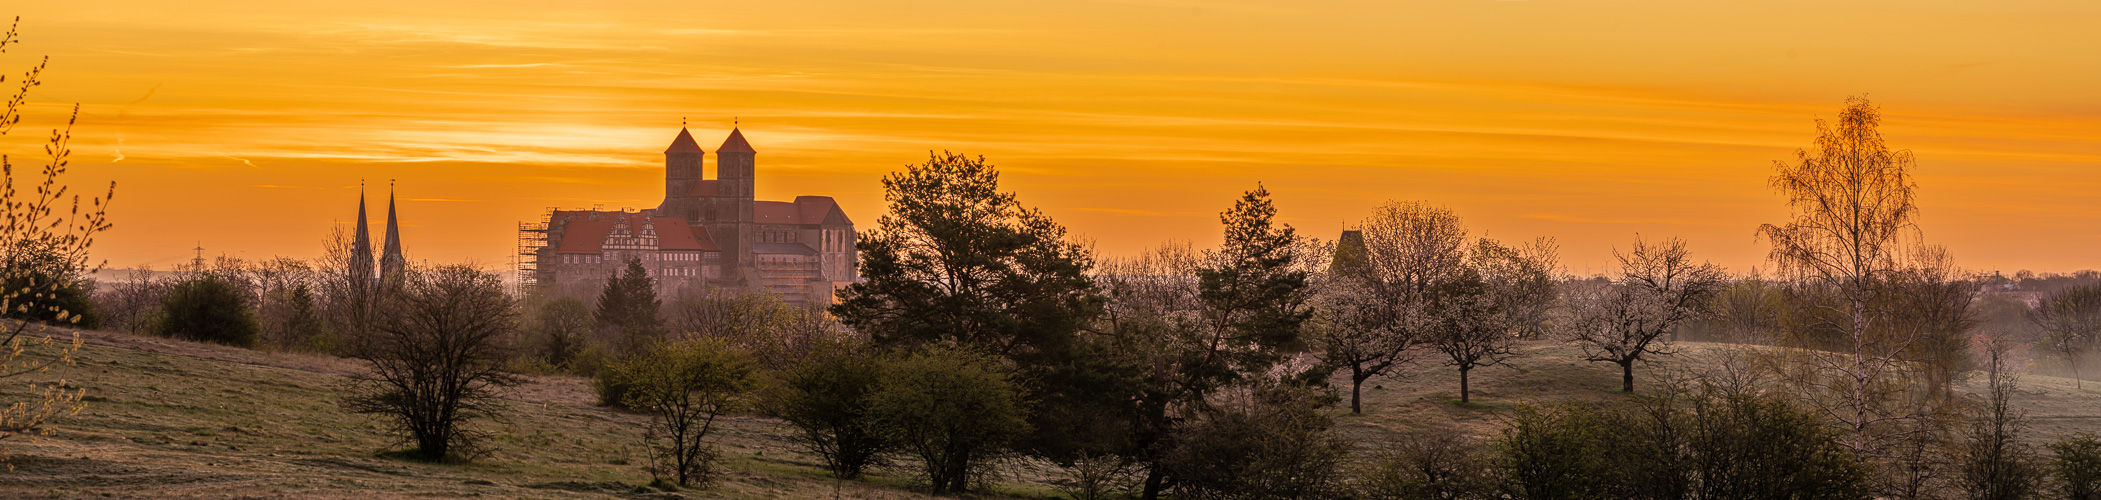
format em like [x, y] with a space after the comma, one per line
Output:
[707, 241]
[814, 208]
[735, 144]
[584, 235]
[775, 212]
[804, 210]
[685, 144]
[702, 188]
[674, 234]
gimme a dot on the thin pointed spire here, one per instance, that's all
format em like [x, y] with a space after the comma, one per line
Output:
[392, 261]
[360, 264]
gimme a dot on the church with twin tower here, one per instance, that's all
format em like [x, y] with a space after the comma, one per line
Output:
[392, 262]
[707, 236]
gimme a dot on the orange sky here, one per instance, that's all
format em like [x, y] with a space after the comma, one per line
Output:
[247, 124]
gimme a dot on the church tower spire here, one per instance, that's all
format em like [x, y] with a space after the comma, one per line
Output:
[391, 262]
[681, 165]
[734, 165]
[360, 265]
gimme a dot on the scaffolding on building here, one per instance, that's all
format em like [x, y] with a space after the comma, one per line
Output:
[532, 236]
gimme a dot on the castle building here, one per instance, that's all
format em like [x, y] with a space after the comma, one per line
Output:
[708, 234]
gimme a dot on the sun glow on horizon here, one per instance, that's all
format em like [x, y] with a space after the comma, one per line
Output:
[247, 125]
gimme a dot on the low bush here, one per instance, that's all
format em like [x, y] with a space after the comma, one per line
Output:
[952, 411]
[208, 307]
[685, 387]
[1698, 444]
[1441, 465]
[1558, 452]
[2076, 462]
[826, 396]
[73, 297]
[434, 361]
[1271, 441]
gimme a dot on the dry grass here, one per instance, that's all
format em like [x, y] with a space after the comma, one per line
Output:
[178, 419]
[1423, 396]
[169, 418]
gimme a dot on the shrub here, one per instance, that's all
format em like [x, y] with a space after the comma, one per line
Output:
[208, 307]
[1555, 453]
[302, 322]
[1994, 463]
[953, 411]
[1272, 443]
[825, 395]
[1430, 466]
[1703, 444]
[73, 296]
[435, 360]
[684, 387]
[562, 329]
[1750, 446]
[612, 379]
[2076, 461]
[1097, 477]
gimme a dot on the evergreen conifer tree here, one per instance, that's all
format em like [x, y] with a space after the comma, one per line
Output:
[629, 306]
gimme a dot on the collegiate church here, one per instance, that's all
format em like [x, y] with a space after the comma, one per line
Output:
[707, 234]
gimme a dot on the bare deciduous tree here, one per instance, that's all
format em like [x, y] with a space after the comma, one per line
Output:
[44, 242]
[1478, 317]
[1996, 464]
[685, 386]
[287, 319]
[1627, 319]
[1854, 220]
[1380, 287]
[349, 301]
[132, 305]
[435, 359]
[2071, 322]
[776, 334]
[1745, 311]
[1933, 310]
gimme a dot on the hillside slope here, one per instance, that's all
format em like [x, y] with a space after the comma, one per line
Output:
[169, 418]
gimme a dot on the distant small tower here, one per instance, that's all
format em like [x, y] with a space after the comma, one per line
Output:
[392, 262]
[360, 266]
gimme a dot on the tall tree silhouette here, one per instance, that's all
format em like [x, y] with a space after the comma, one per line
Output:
[1854, 222]
[956, 259]
[629, 306]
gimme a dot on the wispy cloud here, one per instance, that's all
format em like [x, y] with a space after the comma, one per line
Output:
[1131, 211]
[489, 66]
[1659, 221]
